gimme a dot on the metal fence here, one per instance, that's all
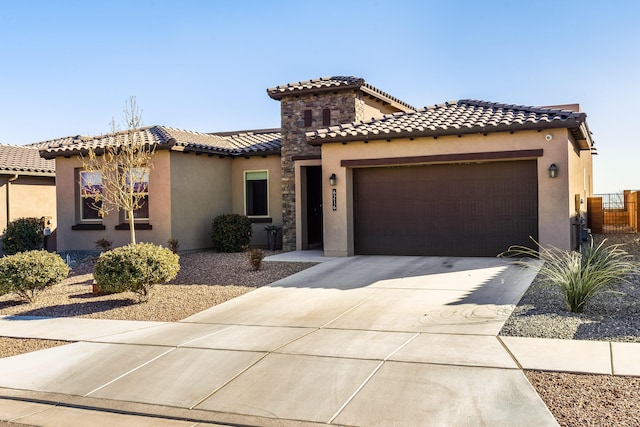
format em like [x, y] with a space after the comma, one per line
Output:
[613, 213]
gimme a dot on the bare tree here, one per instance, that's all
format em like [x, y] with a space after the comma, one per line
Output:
[121, 169]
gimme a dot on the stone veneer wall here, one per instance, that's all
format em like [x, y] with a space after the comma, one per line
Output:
[346, 106]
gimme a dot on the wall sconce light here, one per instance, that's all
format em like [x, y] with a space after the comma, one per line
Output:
[332, 180]
[553, 170]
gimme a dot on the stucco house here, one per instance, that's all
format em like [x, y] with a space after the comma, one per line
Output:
[27, 188]
[354, 170]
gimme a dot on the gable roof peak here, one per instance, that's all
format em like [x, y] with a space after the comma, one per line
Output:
[333, 83]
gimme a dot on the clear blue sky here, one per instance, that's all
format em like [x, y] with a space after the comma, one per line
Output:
[67, 67]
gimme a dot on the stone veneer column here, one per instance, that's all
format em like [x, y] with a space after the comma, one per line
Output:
[346, 106]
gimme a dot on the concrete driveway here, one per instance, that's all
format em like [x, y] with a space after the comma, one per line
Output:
[362, 341]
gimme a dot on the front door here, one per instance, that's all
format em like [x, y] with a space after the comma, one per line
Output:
[314, 207]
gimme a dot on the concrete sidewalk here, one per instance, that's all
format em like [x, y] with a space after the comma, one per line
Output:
[353, 341]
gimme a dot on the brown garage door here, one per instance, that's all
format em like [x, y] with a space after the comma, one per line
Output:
[477, 209]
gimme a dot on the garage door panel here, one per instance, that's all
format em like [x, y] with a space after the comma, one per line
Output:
[459, 210]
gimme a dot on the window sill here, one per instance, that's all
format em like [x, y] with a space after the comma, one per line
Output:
[125, 226]
[259, 220]
[81, 227]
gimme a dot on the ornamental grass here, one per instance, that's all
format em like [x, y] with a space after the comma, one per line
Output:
[580, 274]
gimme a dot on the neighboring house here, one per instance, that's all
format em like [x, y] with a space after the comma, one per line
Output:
[355, 170]
[27, 188]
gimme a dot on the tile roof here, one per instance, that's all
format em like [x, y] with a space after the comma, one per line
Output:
[259, 142]
[24, 159]
[333, 83]
[456, 118]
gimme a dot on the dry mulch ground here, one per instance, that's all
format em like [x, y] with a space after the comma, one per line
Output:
[208, 278]
[589, 400]
[205, 279]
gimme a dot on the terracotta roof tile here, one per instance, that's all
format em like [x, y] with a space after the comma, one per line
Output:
[253, 141]
[454, 118]
[232, 144]
[315, 84]
[24, 159]
[332, 83]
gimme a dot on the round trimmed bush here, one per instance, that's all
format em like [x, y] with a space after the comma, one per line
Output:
[135, 268]
[231, 233]
[28, 273]
[23, 234]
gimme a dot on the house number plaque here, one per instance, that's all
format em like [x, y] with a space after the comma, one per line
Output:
[334, 200]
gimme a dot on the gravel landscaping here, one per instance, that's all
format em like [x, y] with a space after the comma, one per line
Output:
[577, 399]
[208, 278]
[205, 279]
[613, 315]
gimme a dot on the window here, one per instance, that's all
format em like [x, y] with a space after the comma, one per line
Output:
[90, 194]
[326, 117]
[256, 200]
[307, 118]
[139, 178]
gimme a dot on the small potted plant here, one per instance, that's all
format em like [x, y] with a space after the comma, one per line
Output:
[272, 236]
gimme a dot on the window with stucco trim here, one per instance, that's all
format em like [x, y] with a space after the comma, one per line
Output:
[256, 193]
[140, 179]
[90, 192]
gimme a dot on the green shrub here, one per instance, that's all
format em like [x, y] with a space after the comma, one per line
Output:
[23, 234]
[135, 268]
[580, 274]
[28, 273]
[4, 288]
[231, 233]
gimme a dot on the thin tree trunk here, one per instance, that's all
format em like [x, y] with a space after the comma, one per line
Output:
[132, 229]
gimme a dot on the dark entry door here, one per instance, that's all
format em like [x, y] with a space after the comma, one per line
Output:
[477, 209]
[314, 207]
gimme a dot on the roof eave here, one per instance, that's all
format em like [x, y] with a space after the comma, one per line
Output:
[583, 137]
[278, 95]
[316, 140]
[199, 150]
[395, 103]
[273, 152]
[52, 153]
[28, 173]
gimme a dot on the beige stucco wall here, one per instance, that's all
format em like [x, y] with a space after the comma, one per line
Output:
[580, 180]
[272, 164]
[554, 194]
[68, 215]
[200, 190]
[28, 196]
[186, 192]
[66, 206]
